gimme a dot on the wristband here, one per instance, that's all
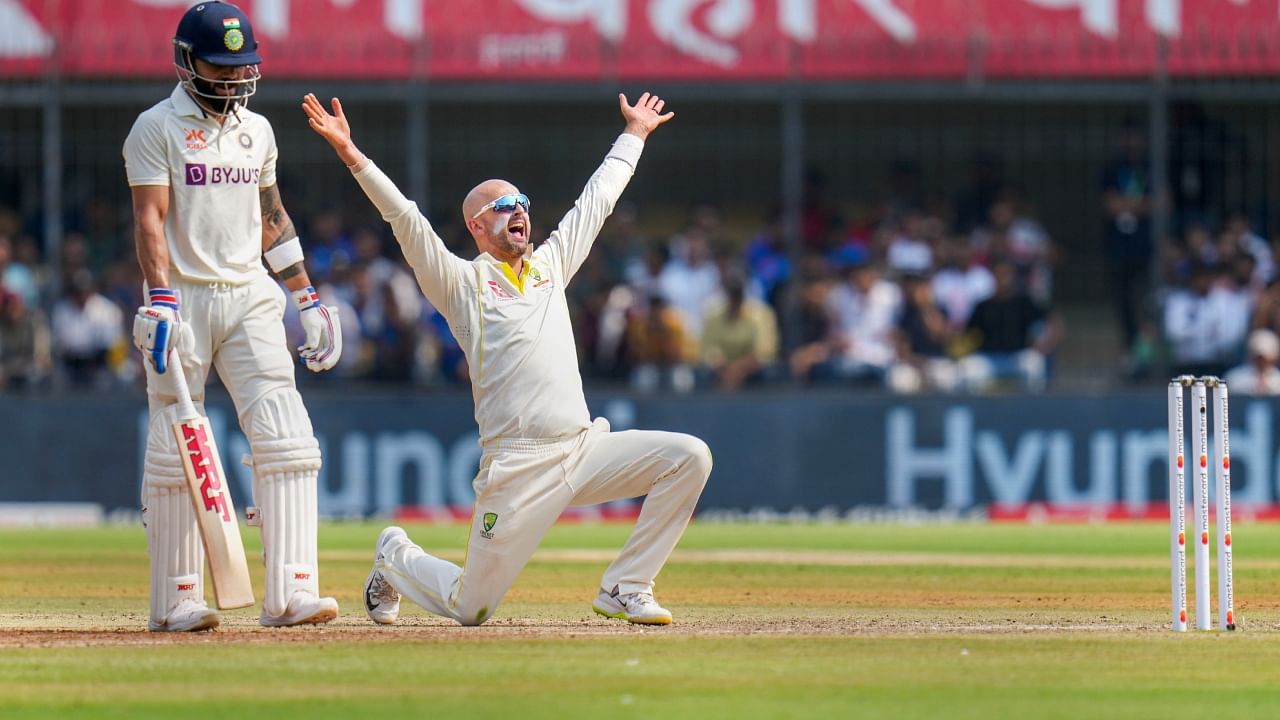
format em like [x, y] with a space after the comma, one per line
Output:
[306, 298]
[163, 297]
[283, 255]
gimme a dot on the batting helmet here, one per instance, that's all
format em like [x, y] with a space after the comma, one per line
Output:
[218, 33]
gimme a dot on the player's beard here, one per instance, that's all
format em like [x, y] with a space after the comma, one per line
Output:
[504, 240]
[218, 104]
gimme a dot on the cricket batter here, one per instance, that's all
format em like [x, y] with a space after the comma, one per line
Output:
[542, 452]
[202, 169]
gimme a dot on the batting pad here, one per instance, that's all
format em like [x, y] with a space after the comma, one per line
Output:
[173, 538]
[286, 464]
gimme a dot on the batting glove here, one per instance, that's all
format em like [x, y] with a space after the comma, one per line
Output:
[323, 345]
[158, 327]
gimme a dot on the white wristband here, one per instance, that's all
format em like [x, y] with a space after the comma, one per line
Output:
[283, 255]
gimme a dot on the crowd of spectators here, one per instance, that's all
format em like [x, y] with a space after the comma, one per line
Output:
[903, 297]
[899, 299]
[1220, 303]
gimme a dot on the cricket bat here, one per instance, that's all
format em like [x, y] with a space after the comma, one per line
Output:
[215, 514]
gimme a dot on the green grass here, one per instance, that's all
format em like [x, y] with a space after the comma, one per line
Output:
[955, 621]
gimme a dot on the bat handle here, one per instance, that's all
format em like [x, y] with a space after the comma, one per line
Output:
[186, 408]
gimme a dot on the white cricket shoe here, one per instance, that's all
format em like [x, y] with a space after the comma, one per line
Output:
[187, 616]
[639, 608]
[382, 601]
[304, 609]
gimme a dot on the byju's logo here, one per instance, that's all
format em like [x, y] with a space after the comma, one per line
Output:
[201, 174]
[197, 174]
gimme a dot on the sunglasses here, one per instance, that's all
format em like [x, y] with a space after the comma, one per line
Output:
[505, 204]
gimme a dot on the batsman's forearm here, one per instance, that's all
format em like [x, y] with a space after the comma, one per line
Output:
[153, 254]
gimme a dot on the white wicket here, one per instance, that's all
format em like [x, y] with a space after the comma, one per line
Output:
[1200, 499]
[1226, 590]
[1177, 508]
[1200, 391]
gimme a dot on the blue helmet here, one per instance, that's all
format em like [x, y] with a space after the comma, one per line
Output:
[218, 33]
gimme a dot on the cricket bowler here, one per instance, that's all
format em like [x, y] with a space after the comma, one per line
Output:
[541, 450]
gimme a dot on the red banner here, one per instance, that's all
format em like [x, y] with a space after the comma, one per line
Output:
[671, 39]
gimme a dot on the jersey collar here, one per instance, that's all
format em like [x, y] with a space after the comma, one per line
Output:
[183, 103]
[186, 106]
[508, 273]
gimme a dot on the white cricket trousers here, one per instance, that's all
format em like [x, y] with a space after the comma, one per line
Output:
[238, 329]
[524, 485]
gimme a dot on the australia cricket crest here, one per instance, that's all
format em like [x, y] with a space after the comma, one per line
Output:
[489, 520]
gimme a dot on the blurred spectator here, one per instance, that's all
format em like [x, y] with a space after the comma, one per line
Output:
[25, 358]
[27, 252]
[389, 330]
[690, 283]
[1205, 324]
[865, 308]
[704, 222]
[972, 204]
[740, 340]
[1259, 375]
[122, 284]
[1196, 247]
[104, 231]
[1126, 203]
[1266, 312]
[960, 282]
[621, 242]
[87, 328]
[1241, 235]
[75, 257]
[1010, 235]
[15, 276]
[1013, 336]
[658, 347]
[817, 330]
[768, 261]
[816, 219]
[395, 340]
[922, 336]
[325, 243]
[909, 250]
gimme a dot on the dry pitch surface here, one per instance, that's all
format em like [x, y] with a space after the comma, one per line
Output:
[771, 621]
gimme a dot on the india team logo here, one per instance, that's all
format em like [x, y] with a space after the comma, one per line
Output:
[234, 40]
[490, 519]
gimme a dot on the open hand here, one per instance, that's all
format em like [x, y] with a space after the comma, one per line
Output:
[333, 128]
[645, 116]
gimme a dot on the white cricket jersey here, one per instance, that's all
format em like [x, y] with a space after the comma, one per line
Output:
[514, 331]
[214, 173]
